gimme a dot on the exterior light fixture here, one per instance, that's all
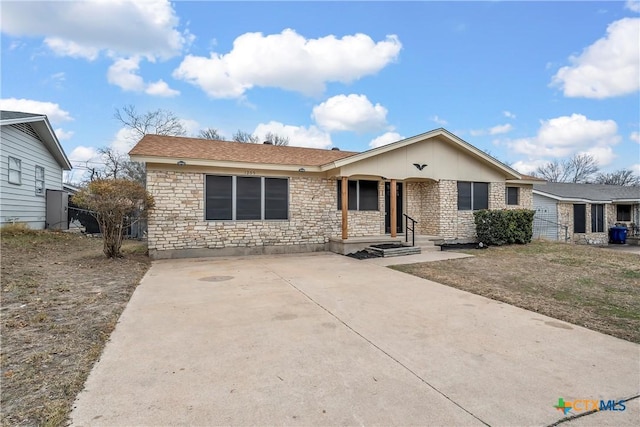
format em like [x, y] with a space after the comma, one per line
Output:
[302, 170]
[181, 163]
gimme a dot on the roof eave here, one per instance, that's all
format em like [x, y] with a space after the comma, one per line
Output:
[571, 199]
[223, 164]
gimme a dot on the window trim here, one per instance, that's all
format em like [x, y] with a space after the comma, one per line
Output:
[517, 196]
[472, 195]
[37, 180]
[234, 200]
[13, 169]
[357, 198]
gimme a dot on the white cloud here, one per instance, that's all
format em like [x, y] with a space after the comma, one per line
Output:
[123, 73]
[635, 136]
[192, 127]
[160, 88]
[632, 5]
[63, 134]
[568, 135]
[123, 140]
[604, 155]
[528, 167]
[82, 154]
[609, 67]
[495, 130]
[84, 28]
[350, 113]
[52, 110]
[385, 138]
[500, 129]
[288, 61]
[69, 48]
[509, 114]
[438, 120]
[635, 168]
[299, 136]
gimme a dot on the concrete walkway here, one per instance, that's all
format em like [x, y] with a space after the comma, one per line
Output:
[324, 339]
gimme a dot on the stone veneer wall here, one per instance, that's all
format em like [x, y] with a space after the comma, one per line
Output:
[565, 217]
[423, 205]
[177, 222]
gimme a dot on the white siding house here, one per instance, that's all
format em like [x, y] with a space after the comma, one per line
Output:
[31, 162]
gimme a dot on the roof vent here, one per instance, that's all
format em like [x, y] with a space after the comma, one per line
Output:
[268, 143]
[335, 149]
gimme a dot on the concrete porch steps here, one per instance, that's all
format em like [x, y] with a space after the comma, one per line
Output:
[391, 252]
[427, 243]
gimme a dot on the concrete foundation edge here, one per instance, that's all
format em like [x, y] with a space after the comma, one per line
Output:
[237, 251]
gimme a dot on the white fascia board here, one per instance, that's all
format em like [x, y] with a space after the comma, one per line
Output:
[572, 199]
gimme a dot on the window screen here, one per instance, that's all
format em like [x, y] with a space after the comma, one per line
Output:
[248, 193]
[368, 195]
[623, 213]
[480, 195]
[276, 198]
[512, 195]
[579, 218]
[219, 202]
[464, 196]
[15, 171]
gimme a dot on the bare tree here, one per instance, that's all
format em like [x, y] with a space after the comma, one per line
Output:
[552, 171]
[211, 133]
[619, 177]
[118, 166]
[276, 139]
[159, 122]
[582, 168]
[245, 137]
[578, 169]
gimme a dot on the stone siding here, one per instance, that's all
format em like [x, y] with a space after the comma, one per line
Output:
[177, 222]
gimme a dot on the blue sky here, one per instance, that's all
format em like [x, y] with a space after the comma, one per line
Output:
[527, 81]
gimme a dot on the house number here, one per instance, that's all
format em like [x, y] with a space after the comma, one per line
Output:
[249, 172]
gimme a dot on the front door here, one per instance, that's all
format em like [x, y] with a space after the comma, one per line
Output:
[387, 207]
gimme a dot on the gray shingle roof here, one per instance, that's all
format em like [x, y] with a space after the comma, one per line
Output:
[12, 115]
[594, 192]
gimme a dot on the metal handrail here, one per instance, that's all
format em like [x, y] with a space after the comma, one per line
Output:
[407, 229]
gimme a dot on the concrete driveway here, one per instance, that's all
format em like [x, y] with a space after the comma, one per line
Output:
[323, 339]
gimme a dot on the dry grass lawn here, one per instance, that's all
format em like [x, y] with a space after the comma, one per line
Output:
[593, 287]
[61, 298]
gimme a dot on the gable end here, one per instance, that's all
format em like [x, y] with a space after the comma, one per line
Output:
[26, 128]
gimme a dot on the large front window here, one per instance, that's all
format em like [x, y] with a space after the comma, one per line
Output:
[362, 195]
[473, 196]
[240, 198]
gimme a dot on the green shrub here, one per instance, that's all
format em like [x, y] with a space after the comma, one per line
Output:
[501, 227]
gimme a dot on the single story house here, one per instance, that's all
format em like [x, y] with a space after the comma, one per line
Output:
[31, 165]
[220, 197]
[583, 213]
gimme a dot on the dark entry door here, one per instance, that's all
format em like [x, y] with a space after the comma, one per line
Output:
[387, 207]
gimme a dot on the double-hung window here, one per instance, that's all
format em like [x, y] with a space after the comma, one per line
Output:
[362, 195]
[597, 218]
[473, 196]
[39, 181]
[511, 195]
[623, 213]
[15, 171]
[243, 198]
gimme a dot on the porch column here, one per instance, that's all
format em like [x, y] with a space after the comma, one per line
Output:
[345, 207]
[394, 209]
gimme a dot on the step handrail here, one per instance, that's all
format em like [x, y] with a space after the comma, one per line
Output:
[407, 229]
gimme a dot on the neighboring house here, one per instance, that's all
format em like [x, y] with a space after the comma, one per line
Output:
[583, 213]
[31, 164]
[216, 197]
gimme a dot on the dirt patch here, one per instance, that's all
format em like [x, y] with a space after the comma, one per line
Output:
[588, 286]
[61, 298]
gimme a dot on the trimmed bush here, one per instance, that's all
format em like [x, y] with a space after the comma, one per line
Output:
[502, 227]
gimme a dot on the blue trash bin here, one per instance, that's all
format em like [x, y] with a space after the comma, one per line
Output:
[618, 234]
